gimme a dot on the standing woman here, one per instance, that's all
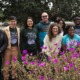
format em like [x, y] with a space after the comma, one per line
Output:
[3, 46]
[52, 40]
[28, 37]
[62, 25]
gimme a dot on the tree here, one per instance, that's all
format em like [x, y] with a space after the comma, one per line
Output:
[24, 8]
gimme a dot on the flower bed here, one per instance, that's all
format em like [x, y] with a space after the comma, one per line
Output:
[42, 67]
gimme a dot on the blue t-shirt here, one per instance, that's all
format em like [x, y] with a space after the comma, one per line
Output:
[70, 43]
[42, 31]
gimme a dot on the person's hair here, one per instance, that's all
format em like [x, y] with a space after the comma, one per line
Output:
[60, 19]
[13, 18]
[50, 33]
[25, 22]
[76, 18]
[67, 28]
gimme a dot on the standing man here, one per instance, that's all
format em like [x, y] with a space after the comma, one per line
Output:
[42, 27]
[3, 46]
[13, 34]
[77, 25]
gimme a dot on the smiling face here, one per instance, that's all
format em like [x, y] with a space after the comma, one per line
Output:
[55, 30]
[30, 23]
[60, 24]
[45, 17]
[13, 23]
[71, 31]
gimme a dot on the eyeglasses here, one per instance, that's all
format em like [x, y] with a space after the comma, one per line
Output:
[44, 16]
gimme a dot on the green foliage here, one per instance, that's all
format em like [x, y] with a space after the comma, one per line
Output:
[24, 8]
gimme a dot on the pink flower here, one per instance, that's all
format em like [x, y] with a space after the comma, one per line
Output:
[49, 78]
[24, 52]
[55, 52]
[62, 53]
[59, 48]
[51, 49]
[44, 47]
[79, 73]
[26, 62]
[49, 58]
[32, 63]
[55, 61]
[7, 62]
[66, 68]
[56, 44]
[76, 69]
[14, 59]
[70, 65]
[42, 64]
[41, 77]
[23, 58]
[72, 49]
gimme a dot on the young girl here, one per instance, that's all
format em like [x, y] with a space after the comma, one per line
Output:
[28, 38]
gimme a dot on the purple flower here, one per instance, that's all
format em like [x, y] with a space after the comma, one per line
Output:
[56, 44]
[66, 68]
[7, 62]
[62, 53]
[76, 69]
[31, 54]
[26, 62]
[55, 61]
[44, 47]
[79, 73]
[49, 78]
[78, 44]
[32, 63]
[23, 58]
[59, 48]
[14, 59]
[50, 49]
[74, 55]
[55, 52]
[70, 65]
[49, 58]
[41, 77]
[24, 52]
[72, 49]
[42, 64]
[38, 61]
[65, 59]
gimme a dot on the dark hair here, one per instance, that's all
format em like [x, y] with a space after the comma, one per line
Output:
[76, 18]
[67, 28]
[60, 19]
[50, 34]
[25, 22]
[13, 18]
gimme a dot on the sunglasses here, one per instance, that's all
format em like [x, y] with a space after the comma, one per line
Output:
[44, 16]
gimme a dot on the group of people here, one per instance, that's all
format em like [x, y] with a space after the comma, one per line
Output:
[52, 35]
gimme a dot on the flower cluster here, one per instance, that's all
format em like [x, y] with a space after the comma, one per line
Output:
[66, 66]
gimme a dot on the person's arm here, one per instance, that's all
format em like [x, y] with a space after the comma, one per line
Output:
[5, 42]
[63, 44]
[38, 41]
[46, 48]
